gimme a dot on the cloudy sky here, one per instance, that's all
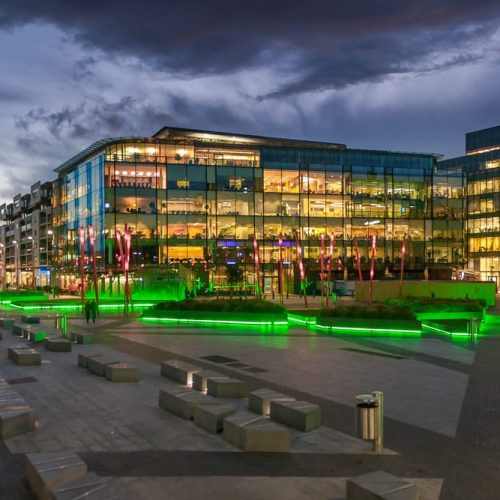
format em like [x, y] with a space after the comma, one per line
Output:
[387, 74]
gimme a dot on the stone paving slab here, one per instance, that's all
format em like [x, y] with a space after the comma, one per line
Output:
[421, 394]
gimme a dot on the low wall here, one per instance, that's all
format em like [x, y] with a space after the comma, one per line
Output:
[383, 290]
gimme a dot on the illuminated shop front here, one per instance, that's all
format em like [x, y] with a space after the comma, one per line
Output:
[199, 199]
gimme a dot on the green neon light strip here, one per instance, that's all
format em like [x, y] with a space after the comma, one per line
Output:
[218, 321]
[457, 334]
[76, 307]
[359, 329]
[310, 321]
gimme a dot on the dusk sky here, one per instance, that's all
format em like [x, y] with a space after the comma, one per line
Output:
[411, 75]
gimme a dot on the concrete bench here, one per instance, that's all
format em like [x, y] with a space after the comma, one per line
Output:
[226, 387]
[97, 364]
[89, 486]
[83, 359]
[211, 417]
[380, 485]
[16, 416]
[17, 329]
[255, 433]
[49, 471]
[179, 371]
[300, 415]
[58, 344]
[182, 402]
[27, 318]
[121, 372]
[10, 350]
[85, 338]
[36, 336]
[26, 357]
[7, 322]
[259, 401]
[200, 379]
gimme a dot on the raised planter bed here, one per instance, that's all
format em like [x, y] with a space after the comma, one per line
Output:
[217, 318]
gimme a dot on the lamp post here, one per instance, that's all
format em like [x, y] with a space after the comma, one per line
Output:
[33, 283]
[16, 262]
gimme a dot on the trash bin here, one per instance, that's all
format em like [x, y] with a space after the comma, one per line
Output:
[366, 417]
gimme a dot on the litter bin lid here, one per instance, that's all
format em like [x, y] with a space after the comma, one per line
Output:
[367, 398]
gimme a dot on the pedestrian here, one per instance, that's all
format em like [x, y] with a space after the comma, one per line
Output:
[93, 310]
[87, 310]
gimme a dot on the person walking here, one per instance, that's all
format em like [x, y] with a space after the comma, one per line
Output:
[86, 308]
[93, 310]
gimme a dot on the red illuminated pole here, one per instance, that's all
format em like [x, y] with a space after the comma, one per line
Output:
[403, 252]
[81, 236]
[329, 268]
[301, 270]
[280, 278]
[94, 270]
[256, 261]
[358, 265]
[127, 237]
[372, 265]
[322, 266]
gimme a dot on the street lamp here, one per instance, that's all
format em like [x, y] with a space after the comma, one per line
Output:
[16, 262]
[33, 279]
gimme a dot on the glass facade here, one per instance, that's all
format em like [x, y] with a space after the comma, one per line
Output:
[198, 199]
[481, 169]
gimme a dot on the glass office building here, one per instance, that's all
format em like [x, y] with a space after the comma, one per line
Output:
[481, 168]
[198, 199]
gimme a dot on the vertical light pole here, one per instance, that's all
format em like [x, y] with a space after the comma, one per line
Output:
[81, 237]
[403, 252]
[33, 284]
[280, 278]
[372, 265]
[2, 265]
[358, 264]
[16, 262]
[94, 270]
[256, 260]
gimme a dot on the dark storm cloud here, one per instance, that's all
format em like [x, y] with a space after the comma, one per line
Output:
[323, 43]
[87, 121]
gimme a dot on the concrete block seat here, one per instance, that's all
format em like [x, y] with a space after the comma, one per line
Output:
[30, 319]
[211, 417]
[121, 372]
[90, 486]
[249, 432]
[7, 322]
[300, 415]
[182, 402]
[84, 338]
[58, 344]
[259, 401]
[200, 379]
[18, 329]
[16, 415]
[11, 349]
[36, 336]
[49, 471]
[179, 371]
[226, 387]
[380, 485]
[25, 357]
[83, 359]
[97, 364]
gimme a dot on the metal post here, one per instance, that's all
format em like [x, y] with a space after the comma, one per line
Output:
[378, 442]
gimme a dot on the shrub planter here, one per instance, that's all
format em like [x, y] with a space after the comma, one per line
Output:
[217, 318]
[370, 326]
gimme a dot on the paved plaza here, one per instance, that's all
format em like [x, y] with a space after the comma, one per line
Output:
[441, 427]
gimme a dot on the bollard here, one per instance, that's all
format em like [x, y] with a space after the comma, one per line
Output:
[379, 439]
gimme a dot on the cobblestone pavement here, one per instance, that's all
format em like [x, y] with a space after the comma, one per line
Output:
[442, 418]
